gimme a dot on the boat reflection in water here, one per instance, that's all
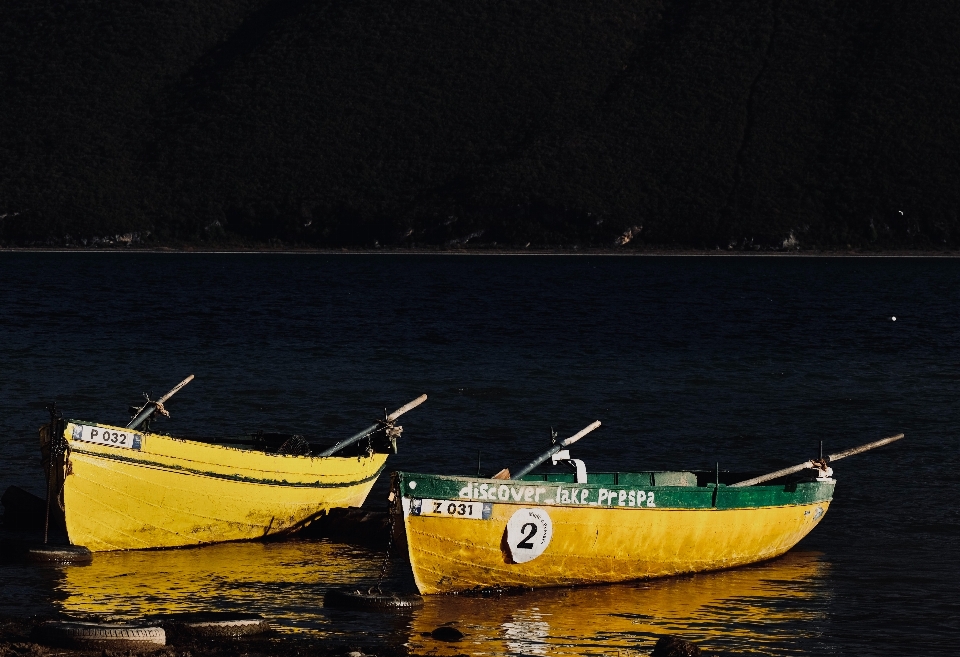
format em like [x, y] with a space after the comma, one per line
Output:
[283, 580]
[771, 608]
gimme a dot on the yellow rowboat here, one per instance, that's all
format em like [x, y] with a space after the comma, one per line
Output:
[561, 529]
[126, 489]
[548, 530]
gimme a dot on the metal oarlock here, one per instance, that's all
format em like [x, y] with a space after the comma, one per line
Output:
[148, 409]
[373, 428]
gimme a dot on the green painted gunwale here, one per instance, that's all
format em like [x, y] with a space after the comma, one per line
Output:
[440, 487]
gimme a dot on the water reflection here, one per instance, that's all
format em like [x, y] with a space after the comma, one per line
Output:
[527, 633]
[771, 608]
[283, 580]
[774, 608]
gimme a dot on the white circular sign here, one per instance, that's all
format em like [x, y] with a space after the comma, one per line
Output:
[528, 534]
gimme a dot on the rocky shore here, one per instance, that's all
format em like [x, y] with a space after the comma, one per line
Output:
[23, 637]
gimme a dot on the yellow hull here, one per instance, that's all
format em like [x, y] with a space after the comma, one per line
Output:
[600, 545]
[173, 493]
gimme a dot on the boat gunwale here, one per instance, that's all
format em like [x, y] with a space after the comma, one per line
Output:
[200, 443]
[80, 447]
[804, 492]
[237, 478]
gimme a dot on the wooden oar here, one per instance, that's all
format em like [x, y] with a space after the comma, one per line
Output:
[566, 442]
[373, 427]
[152, 407]
[815, 464]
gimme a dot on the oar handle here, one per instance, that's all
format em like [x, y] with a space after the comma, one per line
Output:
[175, 390]
[406, 407]
[373, 427]
[811, 464]
[863, 448]
[566, 442]
[151, 406]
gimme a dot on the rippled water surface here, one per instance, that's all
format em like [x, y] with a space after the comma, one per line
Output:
[687, 361]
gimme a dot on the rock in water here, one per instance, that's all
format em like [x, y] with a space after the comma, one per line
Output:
[674, 646]
[447, 633]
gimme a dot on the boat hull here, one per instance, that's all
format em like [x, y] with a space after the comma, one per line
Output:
[602, 538]
[173, 493]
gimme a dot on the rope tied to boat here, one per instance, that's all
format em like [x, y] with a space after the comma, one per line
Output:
[820, 464]
[392, 433]
[386, 556]
[58, 458]
[160, 409]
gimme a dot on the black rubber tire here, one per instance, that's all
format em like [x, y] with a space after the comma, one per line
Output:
[213, 624]
[108, 636]
[370, 601]
[59, 554]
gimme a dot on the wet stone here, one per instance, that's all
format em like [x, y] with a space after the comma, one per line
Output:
[674, 646]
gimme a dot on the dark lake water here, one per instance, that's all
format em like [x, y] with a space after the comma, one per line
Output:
[687, 361]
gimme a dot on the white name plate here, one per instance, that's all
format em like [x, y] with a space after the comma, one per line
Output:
[451, 509]
[105, 436]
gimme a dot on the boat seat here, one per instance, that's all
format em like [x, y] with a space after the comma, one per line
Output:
[674, 479]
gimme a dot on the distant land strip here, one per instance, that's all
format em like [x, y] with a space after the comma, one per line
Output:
[475, 252]
[636, 125]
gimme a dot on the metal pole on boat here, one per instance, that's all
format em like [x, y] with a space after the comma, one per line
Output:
[566, 442]
[151, 407]
[815, 464]
[374, 427]
[51, 449]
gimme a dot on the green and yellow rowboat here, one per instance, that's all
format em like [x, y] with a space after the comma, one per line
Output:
[569, 528]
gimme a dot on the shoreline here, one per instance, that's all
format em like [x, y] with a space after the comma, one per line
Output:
[18, 638]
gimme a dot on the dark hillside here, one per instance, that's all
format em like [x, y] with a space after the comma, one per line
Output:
[705, 124]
